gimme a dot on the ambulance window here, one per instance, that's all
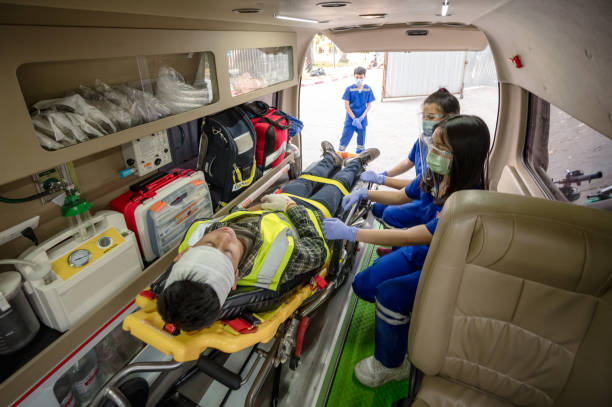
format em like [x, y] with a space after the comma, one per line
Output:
[569, 160]
[256, 68]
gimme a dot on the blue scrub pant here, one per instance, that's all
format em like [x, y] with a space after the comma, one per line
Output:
[401, 216]
[347, 135]
[391, 282]
[329, 195]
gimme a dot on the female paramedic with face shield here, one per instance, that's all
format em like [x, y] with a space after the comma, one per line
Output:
[436, 107]
[455, 160]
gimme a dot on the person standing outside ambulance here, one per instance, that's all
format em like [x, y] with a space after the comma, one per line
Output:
[358, 99]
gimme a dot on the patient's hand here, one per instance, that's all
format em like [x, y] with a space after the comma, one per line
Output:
[277, 202]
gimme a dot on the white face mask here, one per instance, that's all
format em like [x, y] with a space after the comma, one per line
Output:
[359, 82]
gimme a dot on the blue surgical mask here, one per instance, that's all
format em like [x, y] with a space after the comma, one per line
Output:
[359, 82]
[428, 126]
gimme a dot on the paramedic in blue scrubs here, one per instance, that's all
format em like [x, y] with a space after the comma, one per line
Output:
[358, 99]
[455, 161]
[436, 107]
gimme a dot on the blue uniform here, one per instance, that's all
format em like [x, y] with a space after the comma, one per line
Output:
[391, 282]
[406, 215]
[358, 101]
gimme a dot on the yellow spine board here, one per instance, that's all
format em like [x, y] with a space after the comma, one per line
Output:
[147, 325]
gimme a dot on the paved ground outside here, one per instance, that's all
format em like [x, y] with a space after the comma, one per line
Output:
[392, 124]
[393, 127]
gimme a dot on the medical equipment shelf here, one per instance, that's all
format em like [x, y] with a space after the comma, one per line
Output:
[34, 374]
[53, 61]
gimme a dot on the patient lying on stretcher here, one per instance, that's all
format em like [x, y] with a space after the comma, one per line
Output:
[262, 248]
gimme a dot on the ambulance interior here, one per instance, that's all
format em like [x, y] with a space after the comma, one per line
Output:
[546, 53]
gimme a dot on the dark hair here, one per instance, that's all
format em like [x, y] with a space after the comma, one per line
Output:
[189, 305]
[469, 138]
[360, 70]
[443, 98]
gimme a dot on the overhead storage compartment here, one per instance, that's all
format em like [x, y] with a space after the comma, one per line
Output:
[80, 91]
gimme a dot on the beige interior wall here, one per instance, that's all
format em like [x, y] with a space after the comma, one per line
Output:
[395, 39]
[565, 50]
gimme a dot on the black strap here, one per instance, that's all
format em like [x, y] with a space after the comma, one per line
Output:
[256, 108]
[277, 123]
[269, 142]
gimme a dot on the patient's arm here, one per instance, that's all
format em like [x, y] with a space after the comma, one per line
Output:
[309, 251]
[396, 237]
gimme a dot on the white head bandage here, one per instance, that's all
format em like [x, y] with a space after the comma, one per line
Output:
[206, 265]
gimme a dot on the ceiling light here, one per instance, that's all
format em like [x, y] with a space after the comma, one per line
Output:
[246, 10]
[445, 6]
[302, 20]
[374, 15]
[334, 4]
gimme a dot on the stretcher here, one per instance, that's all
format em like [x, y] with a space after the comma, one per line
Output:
[286, 323]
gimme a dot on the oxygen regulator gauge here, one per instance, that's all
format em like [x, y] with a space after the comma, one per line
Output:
[79, 258]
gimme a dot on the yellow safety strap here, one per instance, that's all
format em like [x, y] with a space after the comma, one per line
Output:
[322, 180]
[314, 220]
[238, 174]
[314, 203]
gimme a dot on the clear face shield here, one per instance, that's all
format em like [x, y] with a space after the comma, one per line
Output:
[426, 120]
[435, 164]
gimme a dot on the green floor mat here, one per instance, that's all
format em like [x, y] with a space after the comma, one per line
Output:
[346, 389]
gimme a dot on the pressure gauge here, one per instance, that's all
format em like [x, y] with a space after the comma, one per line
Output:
[104, 242]
[79, 258]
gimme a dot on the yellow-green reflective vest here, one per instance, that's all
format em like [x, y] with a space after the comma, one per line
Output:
[278, 235]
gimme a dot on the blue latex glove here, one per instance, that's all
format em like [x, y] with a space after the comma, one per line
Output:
[335, 229]
[371, 176]
[353, 198]
[357, 123]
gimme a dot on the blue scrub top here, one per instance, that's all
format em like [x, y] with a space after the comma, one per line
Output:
[358, 100]
[415, 157]
[428, 211]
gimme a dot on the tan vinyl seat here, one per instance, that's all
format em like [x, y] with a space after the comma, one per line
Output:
[514, 306]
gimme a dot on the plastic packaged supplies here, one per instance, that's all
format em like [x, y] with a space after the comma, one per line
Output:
[90, 112]
[177, 95]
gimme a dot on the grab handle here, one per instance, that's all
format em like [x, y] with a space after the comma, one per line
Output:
[219, 373]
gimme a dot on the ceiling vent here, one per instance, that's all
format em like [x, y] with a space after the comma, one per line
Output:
[416, 33]
[420, 23]
[333, 4]
[247, 10]
[342, 28]
[370, 26]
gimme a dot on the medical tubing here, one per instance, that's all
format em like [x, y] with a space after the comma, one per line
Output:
[27, 198]
[22, 262]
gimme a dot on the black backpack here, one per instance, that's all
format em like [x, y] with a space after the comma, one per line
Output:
[229, 165]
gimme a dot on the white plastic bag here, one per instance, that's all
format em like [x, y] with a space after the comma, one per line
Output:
[178, 95]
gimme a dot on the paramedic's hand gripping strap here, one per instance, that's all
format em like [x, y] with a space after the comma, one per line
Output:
[353, 198]
[335, 229]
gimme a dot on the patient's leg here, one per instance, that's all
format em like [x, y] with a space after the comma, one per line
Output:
[303, 187]
[329, 195]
